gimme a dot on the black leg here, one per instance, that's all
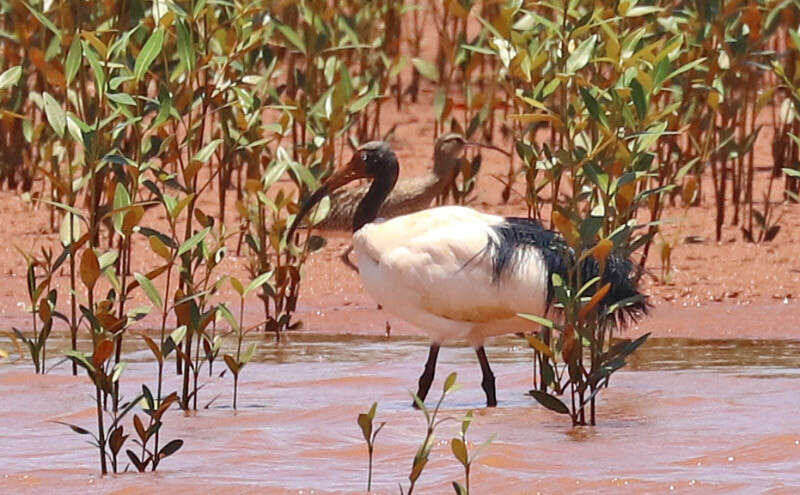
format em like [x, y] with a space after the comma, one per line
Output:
[488, 378]
[345, 257]
[426, 378]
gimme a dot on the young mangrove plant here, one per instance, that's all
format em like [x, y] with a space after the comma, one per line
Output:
[236, 362]
[155, 411]
[366, 421]
[44, 308]
[424, 450]
[598, 80]
[109, 437]
[458, 445]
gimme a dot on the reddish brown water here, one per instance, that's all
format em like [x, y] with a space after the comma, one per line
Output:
[700, 416]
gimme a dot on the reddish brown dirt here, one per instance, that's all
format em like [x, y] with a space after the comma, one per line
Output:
[715, 290]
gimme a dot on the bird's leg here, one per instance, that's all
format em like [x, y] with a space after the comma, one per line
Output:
[426, 378]
[345, 257]
[488, 378]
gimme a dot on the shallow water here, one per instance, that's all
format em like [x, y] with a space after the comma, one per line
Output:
[710, 416]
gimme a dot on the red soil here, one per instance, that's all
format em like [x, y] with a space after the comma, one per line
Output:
[716, 290]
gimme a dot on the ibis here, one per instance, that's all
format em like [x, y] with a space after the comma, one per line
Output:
[408, 195]
[454, 272]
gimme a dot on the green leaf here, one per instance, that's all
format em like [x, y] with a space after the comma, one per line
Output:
[44, 20]
[80, 359]
[795, 38]
[121, 200]
[237, 286]
[597, 175]
[274, 171]
[643, 10]
[149, 290]
[466, 422]
[149, 52]
[73, 61]
[164, 109]
[580, 57]
[170, 448]
[118, 369]
[639, 99]
[661, 71]
[459, 450]
[248, 354]
[684, 68]
[97, 69]
[427, 69]
[178, 334]
[292, 36]
[193, 241]
[632, 346]
[449, 382]
[301, 172]
[593, 107]
[791, 172]
[64, 231]
[460, 490]
[185, 46]
[650, 136]
[76, 429]
[320, 211]
[362, 102]
[226, 313]
[439, 102]
[205, 153]
[257, 282]
[538, 319]
[10, 77]
[122, 99]
[56, 116]
[549, 401]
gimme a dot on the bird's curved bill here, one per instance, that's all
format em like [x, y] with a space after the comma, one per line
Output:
[355, 169]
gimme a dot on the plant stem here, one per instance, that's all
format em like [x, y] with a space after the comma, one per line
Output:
[73, 322]
[101, 441]
[369, 471]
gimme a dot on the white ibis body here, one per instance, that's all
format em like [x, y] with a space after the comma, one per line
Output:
[452, 271]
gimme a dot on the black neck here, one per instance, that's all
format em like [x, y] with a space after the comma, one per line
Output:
[367, 209]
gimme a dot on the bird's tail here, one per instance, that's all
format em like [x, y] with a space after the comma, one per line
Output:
[623, 303]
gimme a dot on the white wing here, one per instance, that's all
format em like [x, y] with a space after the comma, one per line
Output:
[432, 269]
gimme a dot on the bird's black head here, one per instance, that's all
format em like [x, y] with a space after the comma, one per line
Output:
[374, 160]
[377, 161]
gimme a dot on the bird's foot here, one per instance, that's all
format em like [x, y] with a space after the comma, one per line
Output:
[491, 395]
[345, 257]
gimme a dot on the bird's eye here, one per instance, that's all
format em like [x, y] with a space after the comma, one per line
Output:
[363, 156]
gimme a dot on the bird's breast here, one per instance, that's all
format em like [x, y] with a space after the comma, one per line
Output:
[434, 269]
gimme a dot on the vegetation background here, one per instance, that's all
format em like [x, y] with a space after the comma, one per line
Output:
[166, 145]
